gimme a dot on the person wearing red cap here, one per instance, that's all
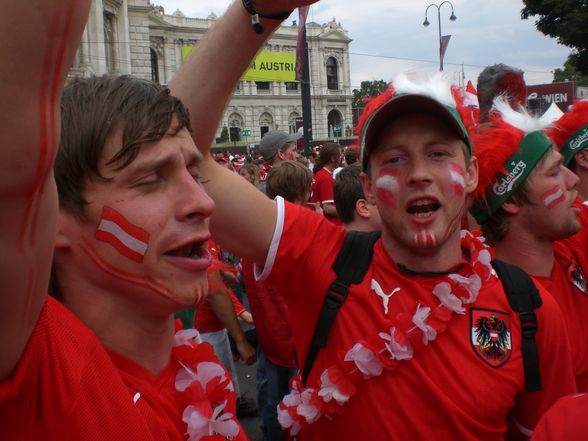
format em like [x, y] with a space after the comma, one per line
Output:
[426, 346]
[570, 134]
[527, 205]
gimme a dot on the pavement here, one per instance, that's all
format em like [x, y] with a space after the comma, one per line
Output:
[246, 376]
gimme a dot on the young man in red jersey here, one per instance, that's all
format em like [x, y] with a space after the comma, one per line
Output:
[533, 217]
[129, 242]
[403, 359]
[322, 184]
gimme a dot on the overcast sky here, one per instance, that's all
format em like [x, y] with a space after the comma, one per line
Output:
[389, 36]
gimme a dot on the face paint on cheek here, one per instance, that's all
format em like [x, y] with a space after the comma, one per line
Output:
[457, 175]
[388, 186]
[128, 239]
[131, 278]
[425, 239]
[553, 197]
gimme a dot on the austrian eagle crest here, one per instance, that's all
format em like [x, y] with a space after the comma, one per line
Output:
[491, 335]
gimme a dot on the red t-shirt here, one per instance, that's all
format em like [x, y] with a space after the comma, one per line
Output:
[270, 314]
[447, 390]
[567, 284]
[66, 387]
[322, 191]
[566, 421]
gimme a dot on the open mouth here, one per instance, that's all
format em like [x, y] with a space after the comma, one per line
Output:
[192, 250]
[423, 208]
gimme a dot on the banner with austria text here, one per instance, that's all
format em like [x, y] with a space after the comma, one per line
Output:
[267, 66]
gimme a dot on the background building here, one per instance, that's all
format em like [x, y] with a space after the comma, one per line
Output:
[139, 38]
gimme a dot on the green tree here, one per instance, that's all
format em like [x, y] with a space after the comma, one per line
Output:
[224, 136]
[570, 73]
[564, 20]
[367, 89]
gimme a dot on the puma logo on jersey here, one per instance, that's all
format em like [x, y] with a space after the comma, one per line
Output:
[380, 293]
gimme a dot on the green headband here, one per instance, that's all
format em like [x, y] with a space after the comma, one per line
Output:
[575, 143]
[518, 168]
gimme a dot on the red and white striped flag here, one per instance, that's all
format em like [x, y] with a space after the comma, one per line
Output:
[553, 197]
[128, 239]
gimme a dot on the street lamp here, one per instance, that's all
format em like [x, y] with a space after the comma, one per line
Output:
[426, 23]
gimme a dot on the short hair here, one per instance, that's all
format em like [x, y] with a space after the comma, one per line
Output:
[347, 191]
[328, 150]
[351, 155]
[289, 179]
[499, 79]
[91, 108]
[252, 169]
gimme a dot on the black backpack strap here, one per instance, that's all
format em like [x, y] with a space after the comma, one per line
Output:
[523, 297]
[350, 266]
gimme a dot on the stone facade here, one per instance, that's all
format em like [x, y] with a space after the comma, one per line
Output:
[136, 37]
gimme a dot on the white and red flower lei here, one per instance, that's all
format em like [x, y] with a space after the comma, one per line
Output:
[384, 351]
[205, 389]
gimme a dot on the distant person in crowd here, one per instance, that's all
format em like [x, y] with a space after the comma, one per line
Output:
[322, 187]
[250, 172]
[354, 210]
[350, 157]
[500, 79]
[570, 134]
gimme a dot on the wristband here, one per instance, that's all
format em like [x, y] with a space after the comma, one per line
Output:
[257, 26]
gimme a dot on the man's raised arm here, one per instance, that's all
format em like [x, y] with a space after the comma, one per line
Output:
[241, 210]
[38, 47]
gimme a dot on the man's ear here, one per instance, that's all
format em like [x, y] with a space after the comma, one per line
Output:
[366, 184]
[511, 208]
[471, 175]
[362, 209]
[65, 221]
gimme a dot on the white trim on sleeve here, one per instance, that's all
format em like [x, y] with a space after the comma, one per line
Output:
[524, 430]
[260, 276]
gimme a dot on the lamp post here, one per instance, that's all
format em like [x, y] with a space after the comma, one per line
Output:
[426, 23]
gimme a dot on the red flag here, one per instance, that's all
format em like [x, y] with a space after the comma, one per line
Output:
[471, 95]
[299, 69]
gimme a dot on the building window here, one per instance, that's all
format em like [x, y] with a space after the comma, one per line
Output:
[332, 75]
[335, 124]
[263, 85]
[109, 39]
[292, 86]
[154, 66]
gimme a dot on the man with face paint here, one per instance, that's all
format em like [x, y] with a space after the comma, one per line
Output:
[533, 216]
[429, 332]
[128, 239]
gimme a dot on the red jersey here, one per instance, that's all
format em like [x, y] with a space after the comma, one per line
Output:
[66, 387]
[566, 421]
[322, 191]
[205, 319]
[567, 284]
[270, 314]
[448, 390]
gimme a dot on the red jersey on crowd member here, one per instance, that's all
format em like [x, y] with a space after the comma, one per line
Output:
[567, 284]
[466, 365]
[274, 331]
[205, 320]
[322, 185]
[66, 365]
[565, 421]
[58, 390]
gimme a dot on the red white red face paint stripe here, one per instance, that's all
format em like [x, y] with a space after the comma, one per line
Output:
[457, 175]
[128, 239]
[553, 197]
[388, 186]
[425, 239]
